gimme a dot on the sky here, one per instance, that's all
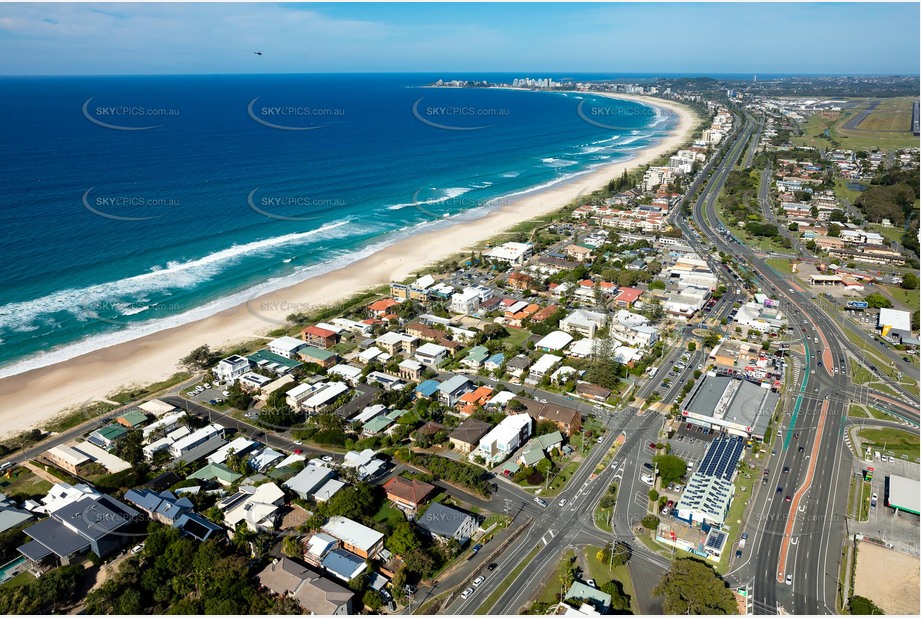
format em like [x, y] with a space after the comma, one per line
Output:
[671, 38]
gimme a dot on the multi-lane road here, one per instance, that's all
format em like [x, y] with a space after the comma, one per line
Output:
[798, 541]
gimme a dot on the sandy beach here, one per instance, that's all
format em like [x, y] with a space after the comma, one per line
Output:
[29, 399]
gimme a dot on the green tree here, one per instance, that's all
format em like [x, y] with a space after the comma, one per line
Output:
[620, 600]
[910, 281]
[862, 606]
[671, 468]
[402, 540]
[692, 346]
[692, 587]
[877, 301]
[372, 600]
[200, 358]
[650, 522]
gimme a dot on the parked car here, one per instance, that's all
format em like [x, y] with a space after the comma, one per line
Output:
[738, 553]
[600, 439]
[137, 549]
[466, 593]
[477, 547]
[326, 458]
[479, 580]
[591, 582]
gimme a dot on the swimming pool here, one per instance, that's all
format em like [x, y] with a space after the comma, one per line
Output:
[11, 568]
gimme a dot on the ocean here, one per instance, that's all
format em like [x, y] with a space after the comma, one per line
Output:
[133, 204]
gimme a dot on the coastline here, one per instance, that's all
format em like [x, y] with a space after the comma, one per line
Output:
[34, 397]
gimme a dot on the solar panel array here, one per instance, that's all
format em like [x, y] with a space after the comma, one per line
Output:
[716, 539]
[722, 457]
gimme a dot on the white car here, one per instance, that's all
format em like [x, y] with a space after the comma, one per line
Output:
[327, 458]
[563, 502]
[206, 385]
[226, 393]
[479, 580]
[137, 549]
[466, 593]
[600, 439]
[789, 579]
[542, 400]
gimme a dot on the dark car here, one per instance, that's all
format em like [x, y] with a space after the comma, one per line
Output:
[787, 499]
[801, 449]
[652, 445]
[786, 469]
[738, 553]
[780, 490]
[795, 436]
[492, 566]
[477, 547]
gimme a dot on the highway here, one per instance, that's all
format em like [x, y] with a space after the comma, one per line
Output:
[801, 538]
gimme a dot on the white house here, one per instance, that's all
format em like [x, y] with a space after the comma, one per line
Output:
[431, 354]
[286, 346]
[583, 322]
[231, 368]
[544, 365]
[504, 438]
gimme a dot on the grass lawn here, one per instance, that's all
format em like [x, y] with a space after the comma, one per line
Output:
[890, 440]
[857, 411]
[344, 347]
[517, 336]
[602, 574]
[884, 128]
[842, 190]
[603, 518]
[889, 232]
[736, 511]
[909, 299]
[20, 580]
[23, 481]
[851, 495]
[861, 374]
[506, 583]
[865, 490]
[781, 265]
[558, 482]
[389, 513]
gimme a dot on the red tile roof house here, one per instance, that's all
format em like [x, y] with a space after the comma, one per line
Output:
[382, 307]
[407, 494]
[320, 337]
[626, 297]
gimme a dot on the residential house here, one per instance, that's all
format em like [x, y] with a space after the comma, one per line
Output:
[309, 480]
[216, 472]
[315, 594]
[583, 322]
[431, 354]
[256, 507]
[324, 358]
[177, 512]
[67, 458]
[287, 347]
[355, 538]
[132, 419]
[451, 390]
[518, 365]
[475, 357]
[89, 522]
[510, 253]
[382, 307]
[445, 523]
[407, 494]
[107, 437]
[469, 401]
[467, 435]
[543, 367]
[365, 464]
[505, 438]
[494, 362]
[343, 565]
[568, 420]
[592, 391]
[229, 369]
[411, 370]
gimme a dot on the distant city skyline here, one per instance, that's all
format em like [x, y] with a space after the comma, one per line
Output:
[527, 38]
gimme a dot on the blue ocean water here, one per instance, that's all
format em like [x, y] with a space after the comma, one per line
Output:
[132, 204]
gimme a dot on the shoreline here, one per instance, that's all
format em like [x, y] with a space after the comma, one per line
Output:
[33, 397]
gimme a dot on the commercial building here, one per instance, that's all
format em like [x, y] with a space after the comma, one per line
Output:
[510, 252]
[729, 403]
[904, 494]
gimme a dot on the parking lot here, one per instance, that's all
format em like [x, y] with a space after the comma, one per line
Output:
[214, 394]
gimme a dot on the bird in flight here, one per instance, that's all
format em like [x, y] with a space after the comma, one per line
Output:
[258, 53]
